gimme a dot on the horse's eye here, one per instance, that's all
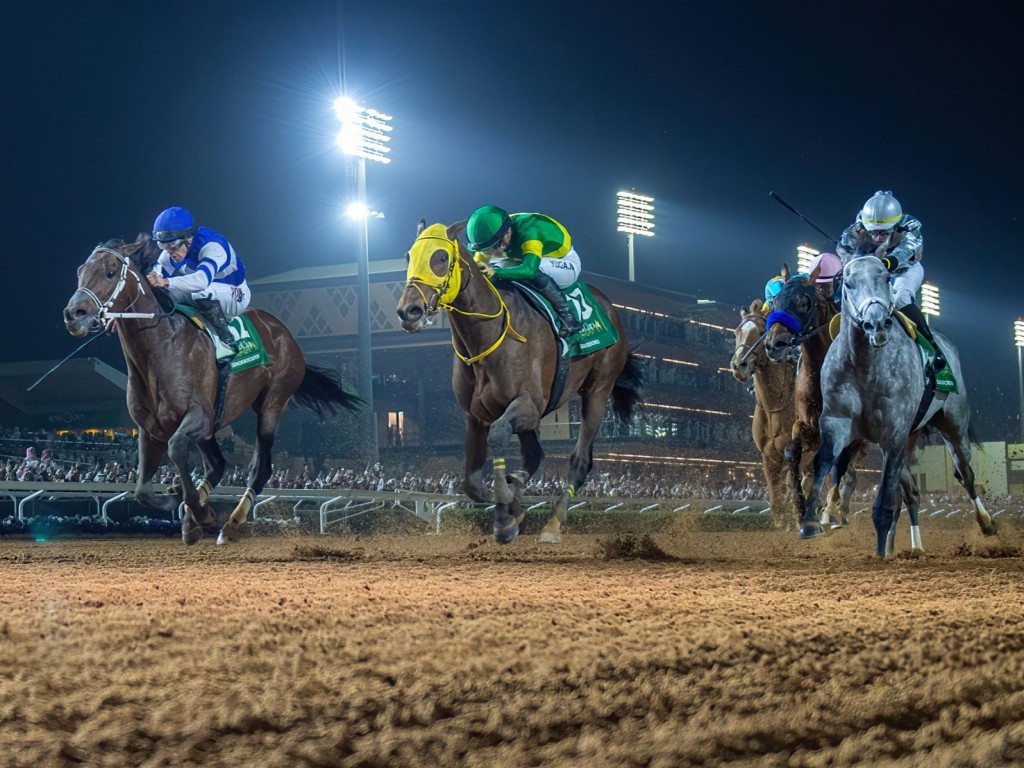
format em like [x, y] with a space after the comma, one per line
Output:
[111, 274]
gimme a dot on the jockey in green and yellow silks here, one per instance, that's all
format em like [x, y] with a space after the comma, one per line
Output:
[530, 247]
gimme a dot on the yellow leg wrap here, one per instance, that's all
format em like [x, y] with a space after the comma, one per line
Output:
[572, 491]
[499, 464]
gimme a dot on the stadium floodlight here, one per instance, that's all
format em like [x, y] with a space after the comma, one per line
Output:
[364, 135]
[930, 300]
[364, 132]
[804, 256]
[635, 217]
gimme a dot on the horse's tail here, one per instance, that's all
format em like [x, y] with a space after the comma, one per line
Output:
[627, 393]
[322, 393]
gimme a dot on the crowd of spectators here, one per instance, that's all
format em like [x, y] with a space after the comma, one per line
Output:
[112, 458]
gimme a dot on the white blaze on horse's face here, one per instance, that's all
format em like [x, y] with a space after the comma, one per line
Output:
[747, 334]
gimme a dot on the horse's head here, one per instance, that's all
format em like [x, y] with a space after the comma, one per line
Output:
[748, 336]
[867, 298]
[435, 274]
[110, 280]
[794, 311]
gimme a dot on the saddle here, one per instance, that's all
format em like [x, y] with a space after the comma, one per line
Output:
[944, 379]
[597, 331]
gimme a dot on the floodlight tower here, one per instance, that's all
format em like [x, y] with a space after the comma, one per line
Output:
[635, 217]
[930, 304]
[1018, 339]
[804, 256]
[364, 135]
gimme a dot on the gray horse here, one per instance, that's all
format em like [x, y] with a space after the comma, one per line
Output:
[874, 384]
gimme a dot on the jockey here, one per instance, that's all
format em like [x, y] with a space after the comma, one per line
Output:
[530, 247]
[830, 277]
[771, 290]
[199, 267]
[884, 230]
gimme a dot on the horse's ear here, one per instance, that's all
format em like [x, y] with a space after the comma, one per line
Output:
[456, 229]
[420, 226]
[785, 273]
[811, 278]
[755, 307]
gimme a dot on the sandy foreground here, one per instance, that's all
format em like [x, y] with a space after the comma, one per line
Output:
[685, 648]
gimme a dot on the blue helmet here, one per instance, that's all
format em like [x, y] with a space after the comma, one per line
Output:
[772, 287]
[173, 223]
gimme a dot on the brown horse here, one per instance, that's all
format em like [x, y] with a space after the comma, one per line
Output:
[506, 355]
[774, 410]
[173, 382]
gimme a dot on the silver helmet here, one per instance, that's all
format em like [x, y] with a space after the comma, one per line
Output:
[881, 211]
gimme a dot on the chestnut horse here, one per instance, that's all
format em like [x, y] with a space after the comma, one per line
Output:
[173, 382]
[506, 355]
[774, 410]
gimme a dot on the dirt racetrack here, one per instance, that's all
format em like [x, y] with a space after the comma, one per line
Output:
[688, 648]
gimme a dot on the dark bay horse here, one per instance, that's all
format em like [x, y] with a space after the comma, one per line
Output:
[774, 409]
[874, 387]
[172, 383]
[505, 361]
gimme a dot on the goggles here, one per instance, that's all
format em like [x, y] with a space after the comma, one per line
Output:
[172, 245]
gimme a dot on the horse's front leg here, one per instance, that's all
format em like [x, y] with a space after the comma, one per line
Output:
[213, 461]
[193, 425]
[893, 461]
[151, 453]
[476, 455]
[520, 416]
[834, 435]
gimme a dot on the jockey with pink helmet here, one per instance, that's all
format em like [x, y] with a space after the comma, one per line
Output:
[830, 276]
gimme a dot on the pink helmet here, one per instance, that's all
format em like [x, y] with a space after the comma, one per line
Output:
[831, 265]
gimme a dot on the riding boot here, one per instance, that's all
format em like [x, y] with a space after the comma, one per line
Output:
[914, 313]
[570, 326]
[214, 313]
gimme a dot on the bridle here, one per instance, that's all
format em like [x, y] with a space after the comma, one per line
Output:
[447, 288]
[103, 312]
[752, 317]
[755, 317]
[802, 330]
[857, 310]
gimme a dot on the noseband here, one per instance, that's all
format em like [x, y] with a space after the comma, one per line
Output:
[858, 309]
[103, 312]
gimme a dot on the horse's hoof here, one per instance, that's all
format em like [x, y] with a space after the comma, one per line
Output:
[507, 534]
[810, 530]
[547, 537]
[192, 535]
[229, 533]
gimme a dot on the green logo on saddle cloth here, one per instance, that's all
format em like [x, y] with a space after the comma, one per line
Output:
[944, 379]
[251, 352]
[598, 331]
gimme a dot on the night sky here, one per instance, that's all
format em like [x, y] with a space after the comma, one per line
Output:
[115, 110]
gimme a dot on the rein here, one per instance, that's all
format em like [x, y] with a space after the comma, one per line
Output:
[754, 318]
[442, 301]
[103, 312]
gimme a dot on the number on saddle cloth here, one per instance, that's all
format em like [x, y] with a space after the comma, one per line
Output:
[251, 352]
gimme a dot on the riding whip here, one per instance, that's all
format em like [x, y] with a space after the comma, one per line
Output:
[58, 365]
[790, 208]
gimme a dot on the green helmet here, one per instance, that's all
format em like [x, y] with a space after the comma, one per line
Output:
[486, 227]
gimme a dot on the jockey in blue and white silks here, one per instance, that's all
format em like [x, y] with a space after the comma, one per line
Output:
[198, 266]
